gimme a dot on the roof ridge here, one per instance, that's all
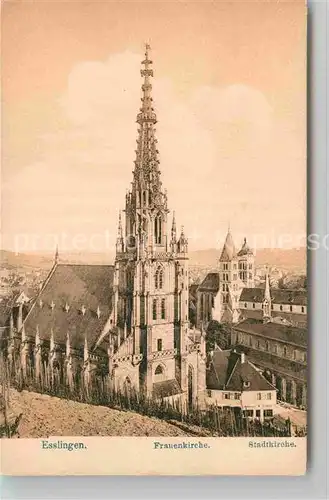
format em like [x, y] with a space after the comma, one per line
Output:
[233, 369]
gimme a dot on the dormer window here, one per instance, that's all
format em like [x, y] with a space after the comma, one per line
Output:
[246, 384]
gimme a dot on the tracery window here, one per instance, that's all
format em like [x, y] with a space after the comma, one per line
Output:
[158, 279]
[163, 308]
[159, 373]
[154, 309]
[158, 230]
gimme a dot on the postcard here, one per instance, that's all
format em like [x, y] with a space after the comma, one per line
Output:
[153, 279]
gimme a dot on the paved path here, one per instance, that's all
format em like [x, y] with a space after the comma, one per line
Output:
[297, 417]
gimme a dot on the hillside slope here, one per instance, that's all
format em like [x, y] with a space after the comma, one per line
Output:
[45, 416]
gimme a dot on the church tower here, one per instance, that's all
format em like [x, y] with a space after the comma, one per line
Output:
[229, 283]
[246, 265]
[151, 270]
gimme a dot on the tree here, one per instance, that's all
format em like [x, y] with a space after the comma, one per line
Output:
[217, 334]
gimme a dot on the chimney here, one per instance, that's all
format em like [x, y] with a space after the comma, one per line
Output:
[83, 310]
[243, 359]
[98, 312]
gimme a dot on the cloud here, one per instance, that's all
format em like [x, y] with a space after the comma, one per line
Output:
[222, 153]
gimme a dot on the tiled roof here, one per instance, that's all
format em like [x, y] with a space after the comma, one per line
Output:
[278, 296]
[210, 283]
[228, 372]
[217, 373]
[166, 388]
[246, 372]
[252, 295]
[275, 363]
[282, 296]
[284, 333]
[75, 285]
[228, 252]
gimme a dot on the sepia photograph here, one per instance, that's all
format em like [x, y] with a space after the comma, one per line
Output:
[153, 210]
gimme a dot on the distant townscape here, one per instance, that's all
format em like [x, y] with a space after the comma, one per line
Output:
[212, 342]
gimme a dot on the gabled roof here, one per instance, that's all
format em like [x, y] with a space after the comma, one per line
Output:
[228, 252]
[228, 371]
[252, 295]
[245, 250]
[278, 296]
[76, 286]
[166, 388]
[217, 373]
[289, 334]
[210, 283]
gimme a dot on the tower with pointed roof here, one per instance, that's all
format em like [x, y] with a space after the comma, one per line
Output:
[151, 270]
[229, 284]
[246, 265]
[218, 296]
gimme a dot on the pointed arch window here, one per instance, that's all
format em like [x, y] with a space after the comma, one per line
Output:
[158, 230]
[163, 308]
[154, 309]
[127, 385]
[141, 278]
[159, 373]
[158, 280]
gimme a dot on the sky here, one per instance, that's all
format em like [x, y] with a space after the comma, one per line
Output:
[229, 91]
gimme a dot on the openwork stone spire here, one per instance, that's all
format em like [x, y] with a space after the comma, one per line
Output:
[147, 173]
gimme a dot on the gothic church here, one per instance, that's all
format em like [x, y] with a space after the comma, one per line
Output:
[129, 320]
